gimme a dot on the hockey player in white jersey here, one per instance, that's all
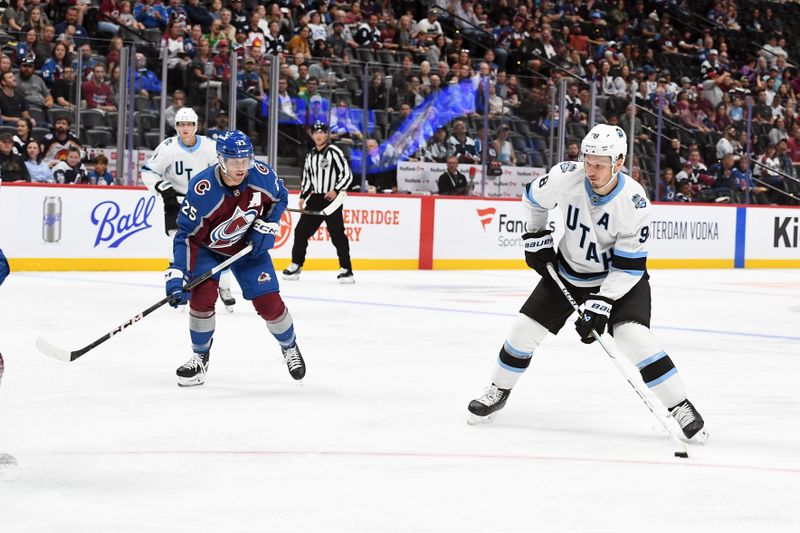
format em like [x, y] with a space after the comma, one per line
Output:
[602, 258]
[168, 171]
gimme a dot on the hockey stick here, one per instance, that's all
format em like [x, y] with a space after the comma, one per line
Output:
[55, 352]
[335, 204]
[683, 451]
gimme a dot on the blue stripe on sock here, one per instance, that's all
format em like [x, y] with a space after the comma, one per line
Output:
[651, 359]
[662, 379]
[517, 353]
[201, 340]
[286, 338]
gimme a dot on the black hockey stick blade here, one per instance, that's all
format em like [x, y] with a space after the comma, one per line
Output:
[334, 205]
[51, 350]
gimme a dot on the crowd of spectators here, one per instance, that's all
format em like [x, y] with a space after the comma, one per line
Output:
[699, 64]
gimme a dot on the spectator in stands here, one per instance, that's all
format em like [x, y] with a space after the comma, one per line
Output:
[300, 44]
[55, 65]
[100, 175]
[323, 71]
[13, 104]
[771, 168]
[127, 17]
[71, 170]
[778, 131]
[58, 141]
[668, 187]
[402, 117]
[381, 168]
[725, 185]
[438, 149]
[23, 136]
[146, 82]
[452, 182]
[503, 147]
[725, 143]
[198, 14]
[686, 192]
[33, 87]
[97, 92]
[65, 90]
[463, 145]
[150, 14]
[15, 16]
[202, 69]
[12, 164]
[39, 171]
[342, 127]
[221, 121]
[573, 151]
[341, 41]
[79, 35]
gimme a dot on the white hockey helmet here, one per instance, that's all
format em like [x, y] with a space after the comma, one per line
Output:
[607, 140]
[186, 114]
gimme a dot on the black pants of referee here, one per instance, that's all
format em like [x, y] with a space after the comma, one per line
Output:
[309, 224]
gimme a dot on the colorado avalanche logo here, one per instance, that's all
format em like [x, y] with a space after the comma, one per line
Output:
[201, 187]
[638, 201]
[232, 230]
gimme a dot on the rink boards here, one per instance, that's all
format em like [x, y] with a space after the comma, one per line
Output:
[122, 228]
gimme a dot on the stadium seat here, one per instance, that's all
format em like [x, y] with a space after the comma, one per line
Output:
[99, 138]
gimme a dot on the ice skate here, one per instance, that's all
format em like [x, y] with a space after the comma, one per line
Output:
[493, 399]
[193, 371]
[227, 298]
[294, 361]
[292, 272]
[690, 421]
[345, 276]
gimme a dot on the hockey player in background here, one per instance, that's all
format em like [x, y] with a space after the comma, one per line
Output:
[236, 201]
[168, 171]
[602, 258]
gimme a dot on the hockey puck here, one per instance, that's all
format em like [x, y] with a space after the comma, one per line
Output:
[683, 455]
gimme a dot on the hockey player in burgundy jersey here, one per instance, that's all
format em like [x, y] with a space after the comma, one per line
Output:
[228, 205]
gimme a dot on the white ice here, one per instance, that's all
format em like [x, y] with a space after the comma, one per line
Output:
[375, 439]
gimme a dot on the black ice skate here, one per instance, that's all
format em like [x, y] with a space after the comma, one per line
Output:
[292, 272]
[193, 371]
[690, 421]
[493, 399]
[345, 276]
[294, 361]
[227, 298]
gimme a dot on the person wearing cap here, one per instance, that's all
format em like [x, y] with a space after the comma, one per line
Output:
[326, 175]
[250, 95]
[33, 86]
[221, 123]
[711, 62]
[239, 16]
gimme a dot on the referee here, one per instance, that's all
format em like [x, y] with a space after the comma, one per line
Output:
[326, 173]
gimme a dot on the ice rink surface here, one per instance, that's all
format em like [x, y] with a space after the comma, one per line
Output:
[375, 438]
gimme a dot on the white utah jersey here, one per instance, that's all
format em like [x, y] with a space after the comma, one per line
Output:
[605, 237]
[177, 163]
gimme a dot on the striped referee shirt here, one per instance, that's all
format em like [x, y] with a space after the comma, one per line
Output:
[324, 171]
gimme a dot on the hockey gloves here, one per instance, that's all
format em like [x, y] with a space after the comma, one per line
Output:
[262, 235]
[174, 279]
[596, 311]
[171, 205]
[539, 250]
[4, 268]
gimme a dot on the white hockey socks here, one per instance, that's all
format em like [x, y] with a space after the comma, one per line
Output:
[658, 372]
[515, 356]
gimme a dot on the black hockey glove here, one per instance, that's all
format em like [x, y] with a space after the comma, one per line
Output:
[539, 250]
[171, 205]
[596, 311]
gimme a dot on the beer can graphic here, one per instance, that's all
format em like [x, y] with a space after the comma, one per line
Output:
[51, 219]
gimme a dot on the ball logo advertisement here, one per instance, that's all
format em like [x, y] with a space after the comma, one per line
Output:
[115, 224]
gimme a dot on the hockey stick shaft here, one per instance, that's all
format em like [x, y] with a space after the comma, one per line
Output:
[619, 366]
[334, 205]
[64, 355]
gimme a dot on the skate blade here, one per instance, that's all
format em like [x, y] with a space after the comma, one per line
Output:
[347, 281]
[475, 420]
[700, 438]
[190, 382]
[229, 308]
[291, 277]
